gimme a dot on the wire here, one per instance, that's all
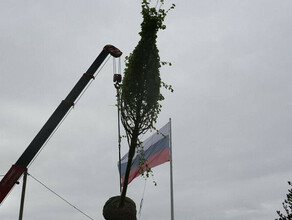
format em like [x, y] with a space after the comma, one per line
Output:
[91, 81]
[114, 66]
[50, 136]
[118, 96]
[68, 113]
[117, 86]
[60, 196]
[120, 66]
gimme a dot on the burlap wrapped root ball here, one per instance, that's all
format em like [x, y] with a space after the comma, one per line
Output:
[112, 211]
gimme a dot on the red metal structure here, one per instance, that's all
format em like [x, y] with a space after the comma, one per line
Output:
[33, 148]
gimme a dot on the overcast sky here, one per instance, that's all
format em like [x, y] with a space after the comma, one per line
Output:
[231, 109]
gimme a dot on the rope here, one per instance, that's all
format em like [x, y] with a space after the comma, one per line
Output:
[60, 197]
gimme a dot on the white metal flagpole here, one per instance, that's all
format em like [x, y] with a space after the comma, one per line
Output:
[171, 177]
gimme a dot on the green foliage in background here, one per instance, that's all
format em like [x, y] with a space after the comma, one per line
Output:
[287, 205]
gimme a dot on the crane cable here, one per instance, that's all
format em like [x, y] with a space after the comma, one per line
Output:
[118, 96]
[70, 204]
[61, 122]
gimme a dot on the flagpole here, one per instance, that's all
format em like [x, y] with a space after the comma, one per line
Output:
[171, 176]
[22, 195]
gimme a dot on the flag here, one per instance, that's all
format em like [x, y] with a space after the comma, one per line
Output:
[155, 152]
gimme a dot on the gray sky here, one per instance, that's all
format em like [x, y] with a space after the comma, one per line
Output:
[230, 110]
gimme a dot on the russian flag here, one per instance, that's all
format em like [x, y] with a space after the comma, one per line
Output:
[156, 152]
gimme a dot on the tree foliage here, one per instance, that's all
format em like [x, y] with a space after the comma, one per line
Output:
[141, 83]
[140, 98]
[287, 205]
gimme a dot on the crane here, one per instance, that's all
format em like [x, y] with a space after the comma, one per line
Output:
[17, 169]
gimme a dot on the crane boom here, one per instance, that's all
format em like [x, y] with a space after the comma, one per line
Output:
[33, 148]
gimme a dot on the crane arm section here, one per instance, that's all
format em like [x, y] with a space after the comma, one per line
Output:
[34, 147]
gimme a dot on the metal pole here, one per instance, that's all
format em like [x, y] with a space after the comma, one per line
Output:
[22, 194]
[171, 176]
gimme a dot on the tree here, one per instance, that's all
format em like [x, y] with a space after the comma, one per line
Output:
[287, 205]
[140, 97]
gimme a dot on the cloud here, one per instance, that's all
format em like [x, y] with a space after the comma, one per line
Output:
[230, 110]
